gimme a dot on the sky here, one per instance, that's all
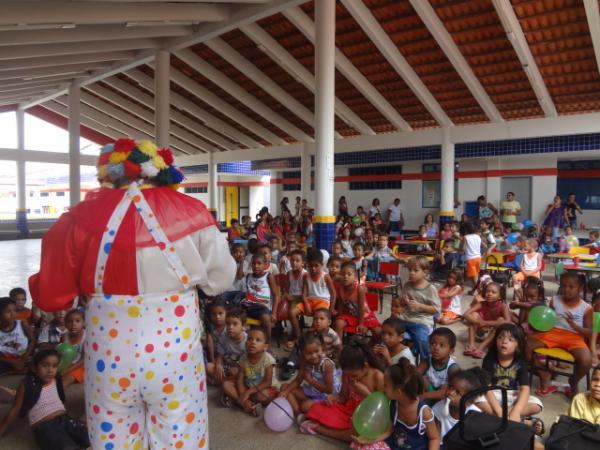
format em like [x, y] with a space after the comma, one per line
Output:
[39, 135]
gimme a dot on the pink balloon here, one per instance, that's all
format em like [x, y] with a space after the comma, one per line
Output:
[279, 415]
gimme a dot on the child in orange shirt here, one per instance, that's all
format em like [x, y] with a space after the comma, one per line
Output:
[20, 298]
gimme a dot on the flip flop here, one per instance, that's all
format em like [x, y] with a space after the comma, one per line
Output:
[468, 352]
[550, 389]
[308, 427]
[477, 354]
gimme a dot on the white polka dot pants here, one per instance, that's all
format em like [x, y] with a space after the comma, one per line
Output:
[144, 373]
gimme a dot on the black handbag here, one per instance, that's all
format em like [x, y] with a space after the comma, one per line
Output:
[573, 434]
[476, 430]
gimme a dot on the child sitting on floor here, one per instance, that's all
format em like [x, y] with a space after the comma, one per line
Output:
[440, 364]
[586, 405]
[41, 398]
[16, 339]
[450, 296]
[19, 296]
[484, 317]
[334, 269]
[392, 348]
[573, 326]
[229, 346]
[53, 332]
[420, 302]
[317, 377]
[361, 376]
[354, 311]
[75, 321]
[253, 387]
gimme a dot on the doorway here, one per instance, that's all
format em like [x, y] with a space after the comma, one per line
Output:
[232, 202]
[521, 186]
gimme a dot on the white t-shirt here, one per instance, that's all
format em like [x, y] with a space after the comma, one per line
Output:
[395, 213]
[472, 246]
[374, 210]
[441, 411]
[406, 353]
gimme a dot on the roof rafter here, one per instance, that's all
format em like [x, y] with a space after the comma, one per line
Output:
[175, 115]
[236, 91]
[43, 72]
[209, 119]
[343, 64]
[450, 49]
[50, 61]
[515, 35]
[390, 51]
[291, 65]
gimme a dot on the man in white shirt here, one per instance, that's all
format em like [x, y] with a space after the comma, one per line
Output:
[395, 218]
[510, 209]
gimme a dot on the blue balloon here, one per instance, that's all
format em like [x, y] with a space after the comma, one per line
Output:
[512, 238]
[528, 223]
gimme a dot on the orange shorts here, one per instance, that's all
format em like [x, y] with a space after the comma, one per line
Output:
[77, 374]
[473, 267]
[451, 315]
[314, 303]
[522, 277]
[559, 338]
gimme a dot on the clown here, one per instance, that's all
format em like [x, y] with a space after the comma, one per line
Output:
[136, 251]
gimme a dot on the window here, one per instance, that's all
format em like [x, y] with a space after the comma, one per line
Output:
[374, 183]
[432, 168]
[296, 186]
[586, 189]
[196, 189]
[60, 193]
[44, 194]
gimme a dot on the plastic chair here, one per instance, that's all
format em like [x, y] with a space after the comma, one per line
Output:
[392, 269]
[557, 355]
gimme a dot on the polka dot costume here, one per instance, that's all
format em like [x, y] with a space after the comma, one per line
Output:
[144, 378]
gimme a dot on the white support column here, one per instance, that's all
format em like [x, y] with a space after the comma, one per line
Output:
[305, 172]
[21, 213]
[324, 114]
[447, 184]
[74, 150]
[161, 97]
[213, 197]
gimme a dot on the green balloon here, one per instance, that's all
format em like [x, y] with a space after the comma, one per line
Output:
[542, 318]
[372, 416]
[68, 353]
[356, 220]
[596, 326]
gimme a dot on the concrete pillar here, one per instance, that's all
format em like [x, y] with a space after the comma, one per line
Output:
[162, 90]
[21, 213]
[324, 226]
[213, 192]
[305, 172]
[74, 150]
[447, 185]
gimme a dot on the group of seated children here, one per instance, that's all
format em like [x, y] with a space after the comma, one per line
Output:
[28, 344]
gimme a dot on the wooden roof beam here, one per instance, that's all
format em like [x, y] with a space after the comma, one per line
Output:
[50, 61]
[515, 35]
[142, 113]
[229, 54]
[389, 50]
[450, 49]
[40, 73]
[236, 91]
[343, 64]
[181, 102]
[287, 62]
[95, 12]
[592, 12]
[175, 115]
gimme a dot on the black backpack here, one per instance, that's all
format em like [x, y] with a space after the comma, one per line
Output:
[573, 434]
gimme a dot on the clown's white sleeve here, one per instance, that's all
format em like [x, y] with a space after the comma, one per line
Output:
[220, 265]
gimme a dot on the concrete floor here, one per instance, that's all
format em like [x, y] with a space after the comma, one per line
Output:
[248, 433]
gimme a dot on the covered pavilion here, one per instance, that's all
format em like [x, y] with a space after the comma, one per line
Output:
[295, 84]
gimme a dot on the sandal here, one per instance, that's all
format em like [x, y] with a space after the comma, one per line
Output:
[468, 351]
[550, 389]
[478, 354]
[536, 423]
[308, 427]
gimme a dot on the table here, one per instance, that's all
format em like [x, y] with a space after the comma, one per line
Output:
[503, 256]
[582, 257]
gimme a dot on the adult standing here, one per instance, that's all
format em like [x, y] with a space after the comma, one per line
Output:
[555, 217]
[137, 251]
[486, 209]
[395, 218]
[284, 205]
[572, 208]
[510, 209]
[374, 208]
[342, 206]
[431, 227]
[297, 207]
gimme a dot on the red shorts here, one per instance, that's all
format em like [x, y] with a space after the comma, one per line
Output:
[370, 321]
